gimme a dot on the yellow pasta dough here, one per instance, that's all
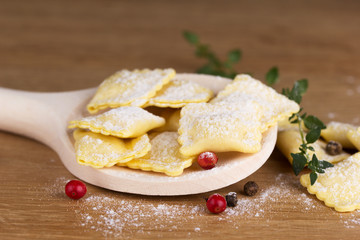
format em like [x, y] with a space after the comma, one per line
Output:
[337, 131]
[123, 122]
[244, 88]
[129, 88]
[177, 93]
[339, 186]
[171, 116]
[210, 127]
[289, 141]
[285, 125]
[354, 137]
[164, 156]
[98, 151]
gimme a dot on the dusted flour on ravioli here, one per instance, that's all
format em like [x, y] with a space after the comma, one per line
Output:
[123, 122]
[220, 128]
[164, 156]
[337, 131]
[98, 151]
[129, 88]
[177, 93]
[339, 186]
[354, 137]
[289, 141]
[276, 107]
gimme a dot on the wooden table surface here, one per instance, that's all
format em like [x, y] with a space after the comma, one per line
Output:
[68, 45]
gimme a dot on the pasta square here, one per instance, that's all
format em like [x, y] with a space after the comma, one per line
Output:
[339, 186]
[98, 151]
[164, 156]
[178, 93]
[122, 122]
[129, 88]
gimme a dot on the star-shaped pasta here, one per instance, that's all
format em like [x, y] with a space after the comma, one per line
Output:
[276, 107]
[217, 128]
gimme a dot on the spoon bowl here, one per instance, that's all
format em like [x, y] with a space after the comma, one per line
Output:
[45, 116]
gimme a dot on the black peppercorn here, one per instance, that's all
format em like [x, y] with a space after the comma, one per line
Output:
[251, 188]
[231, 199]
[333, 148]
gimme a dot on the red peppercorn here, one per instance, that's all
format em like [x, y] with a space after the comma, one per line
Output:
[207, 160]
[75, 189]
[216, 203]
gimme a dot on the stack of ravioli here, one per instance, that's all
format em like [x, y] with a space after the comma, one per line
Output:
[339, 186]
[159, 123]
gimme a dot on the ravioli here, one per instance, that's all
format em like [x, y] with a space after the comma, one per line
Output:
[354, 137]
[177, 93]
[98, 151]
[217, 128]
[122, 122]
[339, 186]
[337, 131]
[276, 107]
[164, 156]
[289, 141]
[129, 88]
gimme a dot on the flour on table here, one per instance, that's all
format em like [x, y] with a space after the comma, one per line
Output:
[331, 115]
[114, 216]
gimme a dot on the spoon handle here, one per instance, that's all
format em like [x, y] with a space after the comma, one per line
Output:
[41, 116]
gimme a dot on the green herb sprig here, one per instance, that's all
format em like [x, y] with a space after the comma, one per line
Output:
[214, 66]
[314, 126]
[272, 76]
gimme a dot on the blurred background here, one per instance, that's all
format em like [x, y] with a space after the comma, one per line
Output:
[67, 45]
[63, 45]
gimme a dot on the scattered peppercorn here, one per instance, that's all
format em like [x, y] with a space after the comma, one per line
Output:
[251, 188]
[333, 148]
[231, 199]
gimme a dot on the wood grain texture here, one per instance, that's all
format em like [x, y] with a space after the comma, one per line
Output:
[70, 45]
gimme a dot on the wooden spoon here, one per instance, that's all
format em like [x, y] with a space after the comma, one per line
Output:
[45, 116]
